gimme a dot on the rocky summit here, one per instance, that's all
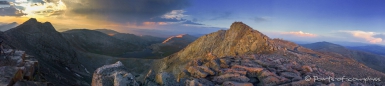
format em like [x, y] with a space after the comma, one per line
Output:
[242, 56]
[238, 40]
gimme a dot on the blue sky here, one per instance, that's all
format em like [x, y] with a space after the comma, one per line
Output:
[329, 20]
[298, 20]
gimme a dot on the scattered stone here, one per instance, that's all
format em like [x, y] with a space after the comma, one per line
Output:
[251, 71]
[165, 79]
[232, 83]
[307, 69]
[199, 82]
[269, 81]
[230, 77]
[233, 71]
[207, 70]
[195, 72]
[289, 75]
[345, 84]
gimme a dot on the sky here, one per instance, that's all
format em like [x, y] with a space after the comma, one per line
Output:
[297, 20]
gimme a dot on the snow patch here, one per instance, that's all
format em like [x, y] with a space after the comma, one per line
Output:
[67, 69]
[78, 75]
[87, 70]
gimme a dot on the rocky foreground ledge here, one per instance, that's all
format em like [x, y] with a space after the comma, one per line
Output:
[243, 70]
[113, 75]
[19, 69]
[250, 70]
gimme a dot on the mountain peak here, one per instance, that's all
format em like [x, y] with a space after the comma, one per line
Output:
[32, 25]
[240, 29]
[239, 25]
[31, 20]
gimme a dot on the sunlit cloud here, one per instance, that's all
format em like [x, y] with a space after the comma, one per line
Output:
[175, 14]
[34, 8]
[367, 36]
[300, 34]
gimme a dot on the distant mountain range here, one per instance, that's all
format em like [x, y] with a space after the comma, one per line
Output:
[98, 42]
[375, 49]
[237, 56]
[142, 41]
[370, 48]
[5, 27]
[374, 61]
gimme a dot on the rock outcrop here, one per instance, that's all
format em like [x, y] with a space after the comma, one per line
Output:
[16, 68]
[113, 75]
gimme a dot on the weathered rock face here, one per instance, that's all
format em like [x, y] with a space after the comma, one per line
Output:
[113, 75]
[16, 69]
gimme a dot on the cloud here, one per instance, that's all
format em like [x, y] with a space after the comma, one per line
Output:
[33, 8]
[7, 26]
[171, 30]
[300, 34]
[10, 11]
[158, 19]
[174, 14]
[188, 22]
[127, 10]
[371, 37]
[4, 3]
[260, 19]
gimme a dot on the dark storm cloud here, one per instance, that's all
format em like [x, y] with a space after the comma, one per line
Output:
[191, 23]
[10, 11]
[125, 10]
[4, 3]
